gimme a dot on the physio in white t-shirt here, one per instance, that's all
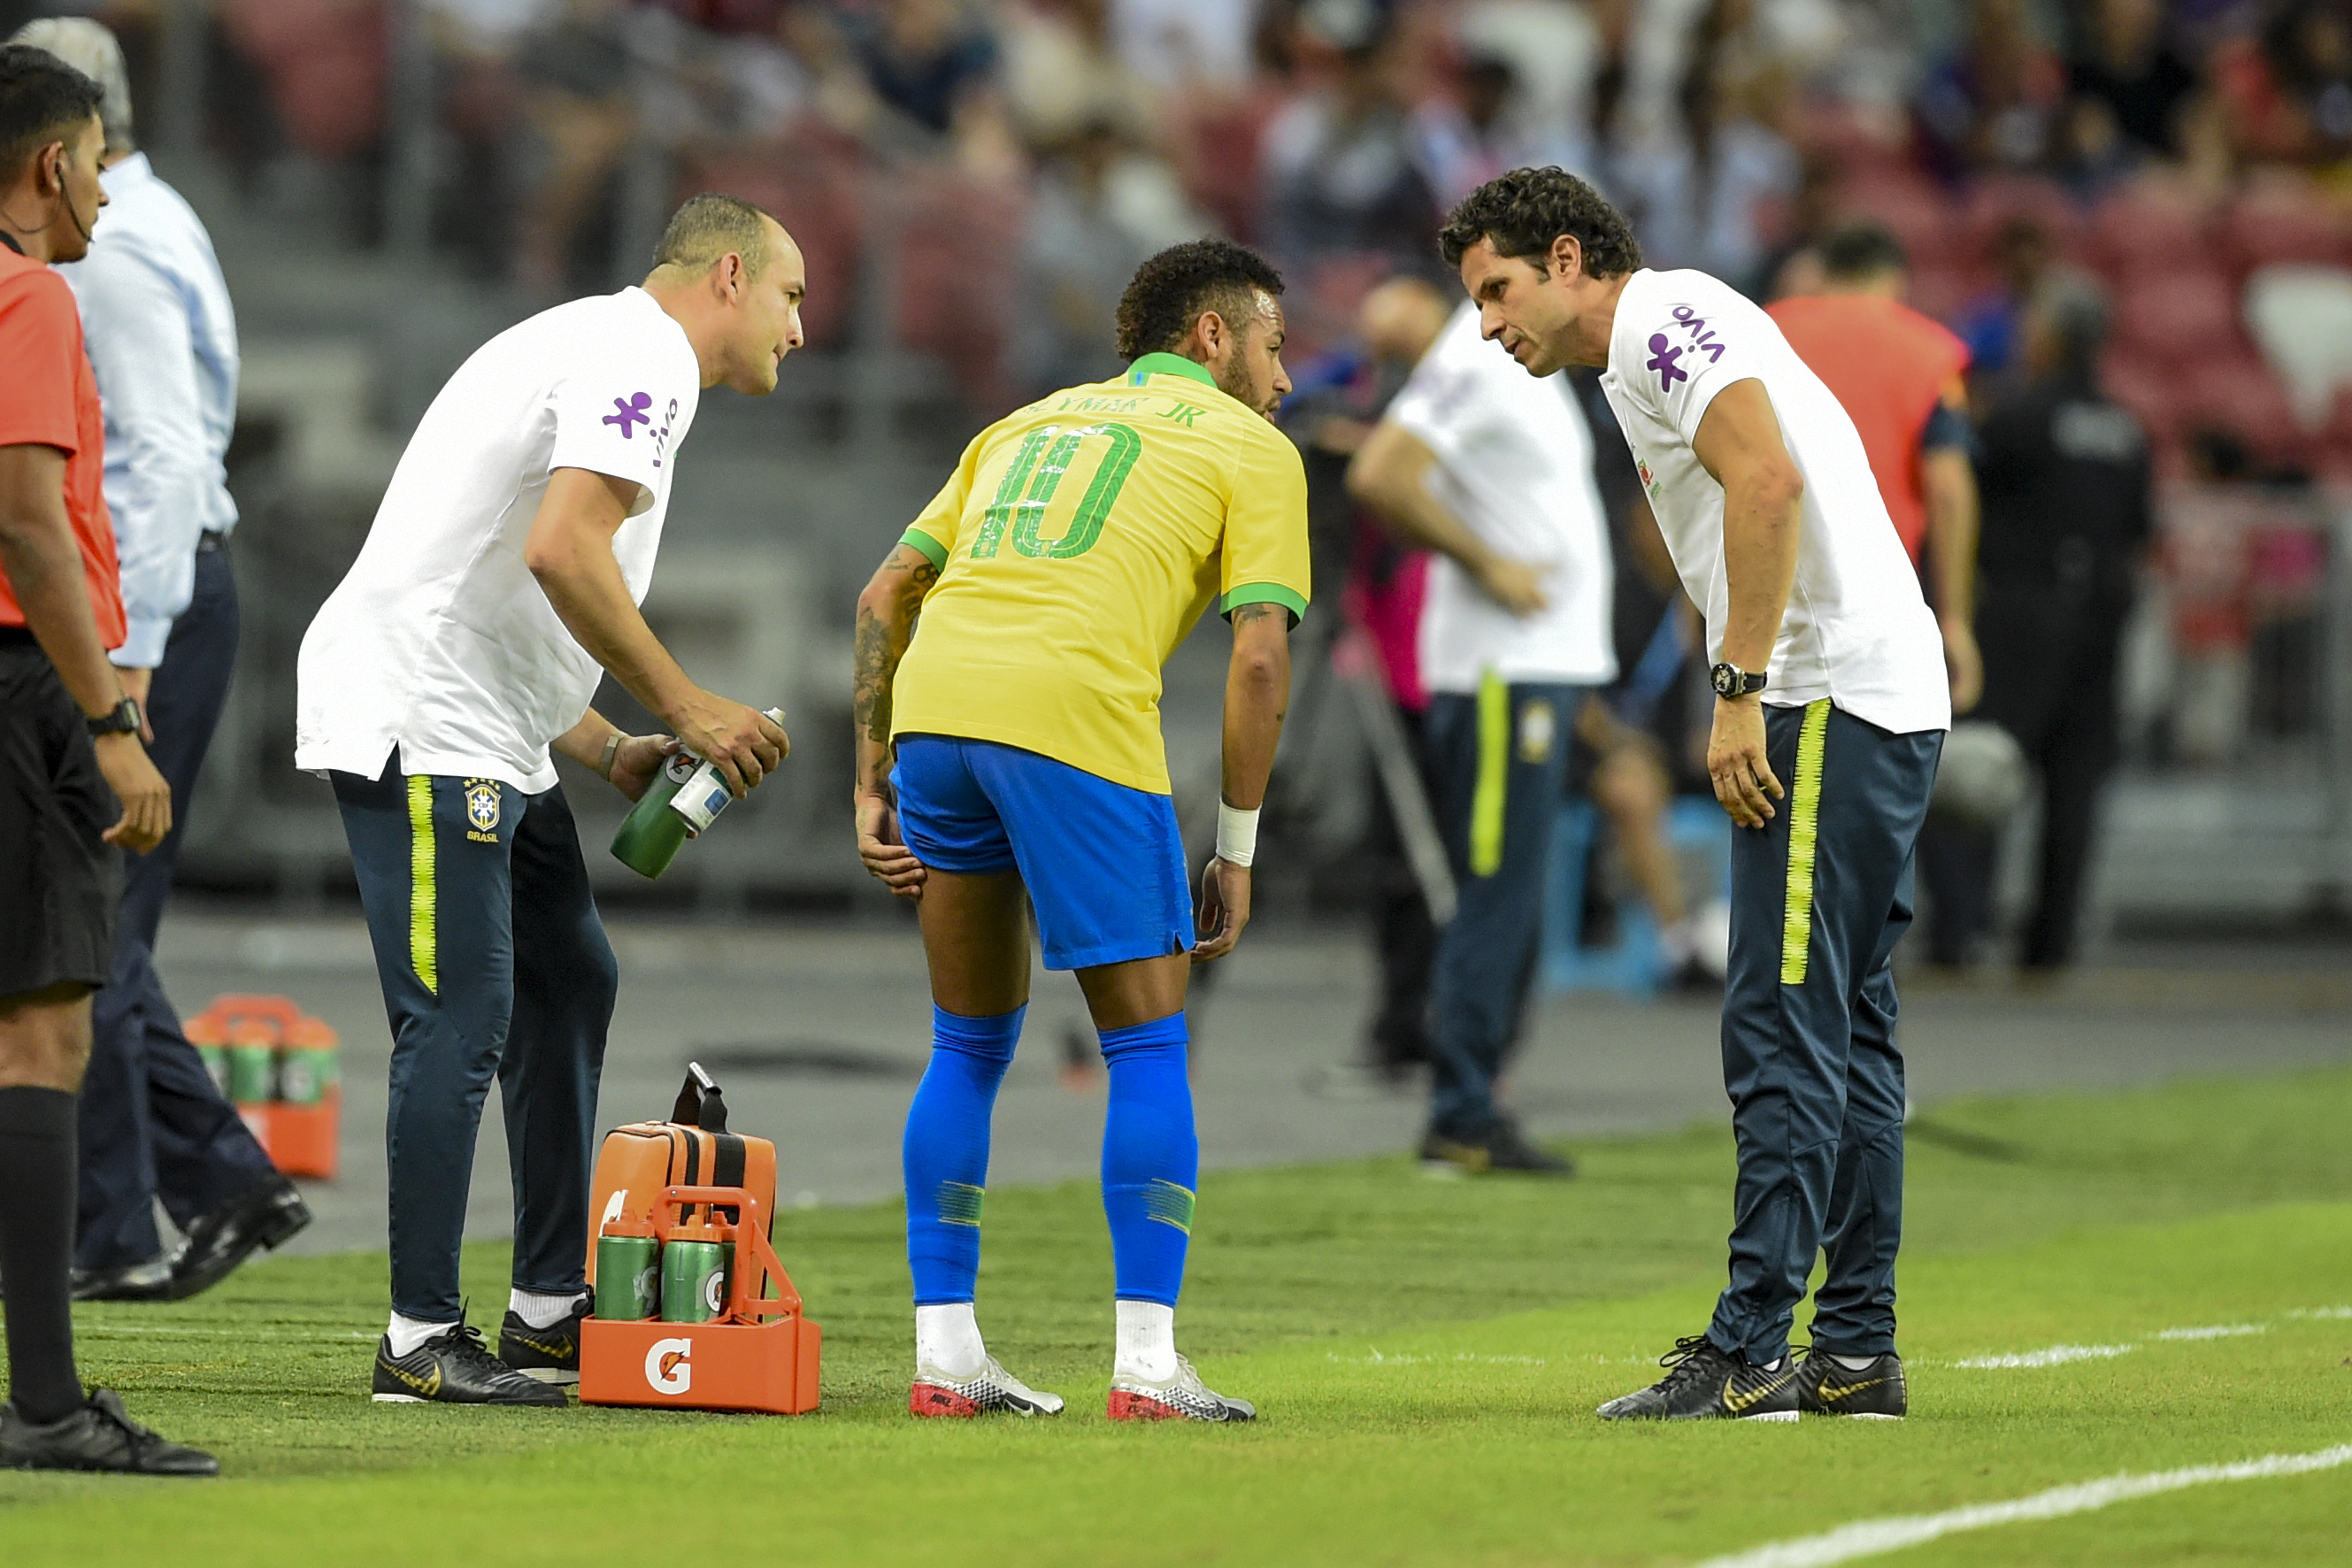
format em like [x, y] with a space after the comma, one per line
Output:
[1493, 471]
[501, 580]
[1829, 675]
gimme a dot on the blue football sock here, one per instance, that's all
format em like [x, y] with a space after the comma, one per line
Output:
[1150, 1158]
[946, 1151]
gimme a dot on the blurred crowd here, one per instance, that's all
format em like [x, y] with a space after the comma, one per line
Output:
[980, 176]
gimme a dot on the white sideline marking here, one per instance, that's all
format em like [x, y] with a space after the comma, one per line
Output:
[1377, 1359]
[100, 1330]
[2220, 1331]
[2321, 1312]
[1871, 1537]
[2056, 1356]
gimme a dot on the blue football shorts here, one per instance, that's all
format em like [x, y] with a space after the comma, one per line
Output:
[1104, 863]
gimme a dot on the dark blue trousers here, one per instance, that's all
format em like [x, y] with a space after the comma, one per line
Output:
[1820, 896]
[493, 962]
[1495, 763]
[152, 1125]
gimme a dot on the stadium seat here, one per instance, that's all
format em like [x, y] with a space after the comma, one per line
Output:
[2151, 392]
[815, 186]
[2281, 221]
[1217, 146]
[2148, 230]
[2184, 320]
[1995, 202]
[1915, 208]
[325, 60]
[1944, 291]
[956, 249]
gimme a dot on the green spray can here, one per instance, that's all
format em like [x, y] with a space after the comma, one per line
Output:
[684, 799]
[628, 1271]
[693, 1275]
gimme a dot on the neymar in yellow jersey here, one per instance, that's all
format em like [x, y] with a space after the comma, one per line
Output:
[1009, 654]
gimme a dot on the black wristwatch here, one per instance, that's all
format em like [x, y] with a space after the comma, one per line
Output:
[1731, 682]
[122, 721]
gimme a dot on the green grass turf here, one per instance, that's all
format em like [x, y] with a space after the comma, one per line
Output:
[1427, 1355]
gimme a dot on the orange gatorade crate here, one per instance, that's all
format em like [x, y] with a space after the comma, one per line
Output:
[760, 1353]
[277, 1064]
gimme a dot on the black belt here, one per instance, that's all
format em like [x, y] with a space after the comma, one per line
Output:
[208, 542]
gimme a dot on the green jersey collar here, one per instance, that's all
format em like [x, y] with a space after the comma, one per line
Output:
[1150, 366]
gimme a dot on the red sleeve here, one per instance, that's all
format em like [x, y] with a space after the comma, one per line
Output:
[40, 342]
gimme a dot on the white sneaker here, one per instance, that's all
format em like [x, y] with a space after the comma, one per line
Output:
[1184, 1398]
[936, 1394]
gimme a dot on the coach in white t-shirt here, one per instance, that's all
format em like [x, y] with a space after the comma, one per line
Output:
[1493, 471]
[500, 579]
[1829, 673]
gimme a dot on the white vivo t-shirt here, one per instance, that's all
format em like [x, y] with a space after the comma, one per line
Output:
[1857, 629]
[439, 640]
[1515, 466]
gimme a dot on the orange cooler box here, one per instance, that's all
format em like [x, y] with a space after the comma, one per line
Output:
[760, 1353]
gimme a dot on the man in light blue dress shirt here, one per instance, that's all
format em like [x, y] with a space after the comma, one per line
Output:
[162, 338]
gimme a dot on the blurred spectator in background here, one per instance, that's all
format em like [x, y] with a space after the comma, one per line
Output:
[1388, 584]
[1061, 76]
[1341, 174]
[2123, 62]
[1101, 207]
[1493, 470]
[1993, 325]
[1995, 102]
[932, 66]
[2065, 481]
[162, 338]
[2305, 103]
[1899, 377]
[1466, 139]
[1201, 45]
[574, 73]
[1702, 187]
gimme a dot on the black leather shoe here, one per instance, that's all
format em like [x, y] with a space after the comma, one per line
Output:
[148, 1281]
[454, 1367]
[550, 1355]
[97, 1437]
[270, 1214]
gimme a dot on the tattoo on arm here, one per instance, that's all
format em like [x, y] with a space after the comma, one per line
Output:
[882, 637]
[1244, 613]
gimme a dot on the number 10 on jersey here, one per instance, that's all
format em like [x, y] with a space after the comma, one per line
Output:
[1034, 477]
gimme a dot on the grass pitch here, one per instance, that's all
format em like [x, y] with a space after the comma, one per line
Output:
[1427, 1356]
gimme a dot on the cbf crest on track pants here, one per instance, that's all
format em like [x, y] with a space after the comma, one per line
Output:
[1820, 896]
[493, 962]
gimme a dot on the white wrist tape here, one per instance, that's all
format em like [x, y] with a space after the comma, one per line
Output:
[1236, 835]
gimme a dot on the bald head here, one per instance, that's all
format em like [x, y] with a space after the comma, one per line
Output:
[1401, 317]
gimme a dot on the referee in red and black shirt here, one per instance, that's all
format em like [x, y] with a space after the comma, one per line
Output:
[75, 781]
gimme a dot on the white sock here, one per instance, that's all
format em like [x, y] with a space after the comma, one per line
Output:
[947, 1341]
[540, 1311]
[407, 1333]
[1853, 1363]
[1147, 1342]
[1677, 943]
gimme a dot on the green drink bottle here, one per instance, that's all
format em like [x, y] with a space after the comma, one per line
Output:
[628, 1271]
[684, 797]
[693, 1275]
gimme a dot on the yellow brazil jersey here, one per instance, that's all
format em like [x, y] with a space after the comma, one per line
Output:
[1078, 541]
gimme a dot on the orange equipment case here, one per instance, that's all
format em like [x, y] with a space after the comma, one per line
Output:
[736, 1361]
[654, 1172]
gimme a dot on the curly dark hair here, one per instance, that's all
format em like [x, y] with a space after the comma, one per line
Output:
[1169, 292]
[1521, 213]
[42, 99]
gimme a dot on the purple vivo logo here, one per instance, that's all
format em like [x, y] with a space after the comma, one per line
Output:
[630, 412]
[1663, 357]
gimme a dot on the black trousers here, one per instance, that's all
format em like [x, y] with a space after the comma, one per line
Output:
[2050, 654]
[493, 962]
[1496, 761]
[1820, 895]
[152, 1125]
